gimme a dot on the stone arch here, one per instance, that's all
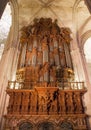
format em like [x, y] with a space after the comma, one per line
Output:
[6, 71]
[84, 37]
[24, 121]
[15, 21]
[14, 29]
[65, 125]
[75, 6]
[78, 38]
[81, 29]
[25, 126]
[46, 125]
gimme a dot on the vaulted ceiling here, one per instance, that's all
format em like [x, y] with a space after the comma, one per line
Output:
[64, 10]
[56, 9]
[70, 13]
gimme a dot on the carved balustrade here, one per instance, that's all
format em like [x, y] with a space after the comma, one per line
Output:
[61, 85]
[50, 100]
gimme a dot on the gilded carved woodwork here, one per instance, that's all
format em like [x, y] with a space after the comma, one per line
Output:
[44, 95]
[42, 100]
[46, 105]
[46, 45]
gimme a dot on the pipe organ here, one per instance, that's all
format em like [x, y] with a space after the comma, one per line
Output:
[44, 95]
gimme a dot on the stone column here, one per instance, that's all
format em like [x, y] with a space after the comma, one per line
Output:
[7, 69]
[8, 66]
[81, 74]
[87, 96]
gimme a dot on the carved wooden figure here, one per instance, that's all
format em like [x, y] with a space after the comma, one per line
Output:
[42, 104]
[25, 102]
[17, 103]
[33, 103]
[53, 103]
[77, 103]
[61, 103]
[11, 102]
[69, 103]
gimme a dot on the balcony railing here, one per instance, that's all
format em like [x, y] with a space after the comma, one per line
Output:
[31, 85]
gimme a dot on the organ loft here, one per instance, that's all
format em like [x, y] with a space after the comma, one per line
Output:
[45, 95]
